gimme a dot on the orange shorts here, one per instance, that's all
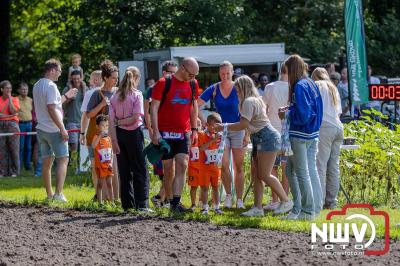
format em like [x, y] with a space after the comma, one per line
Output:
[193, 176]
[103, 172]
[209, 177]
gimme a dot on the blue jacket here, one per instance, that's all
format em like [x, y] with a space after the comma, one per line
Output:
[305, 111]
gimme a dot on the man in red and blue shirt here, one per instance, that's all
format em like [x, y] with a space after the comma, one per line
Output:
[174, 118]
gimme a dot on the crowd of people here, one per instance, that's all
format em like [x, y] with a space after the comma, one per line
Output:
[292, 123]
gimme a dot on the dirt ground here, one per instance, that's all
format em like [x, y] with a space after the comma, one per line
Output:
[44, 236]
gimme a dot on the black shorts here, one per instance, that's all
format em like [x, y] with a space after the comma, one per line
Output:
[177, 146]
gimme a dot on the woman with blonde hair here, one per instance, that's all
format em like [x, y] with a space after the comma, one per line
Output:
[305, 116]
[330, 138]
[266, 142]
[226, 101]
[126, 112]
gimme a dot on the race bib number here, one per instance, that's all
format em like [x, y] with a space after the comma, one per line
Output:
[211, 156]
[194, 153]
[105, 155]
[172, 135]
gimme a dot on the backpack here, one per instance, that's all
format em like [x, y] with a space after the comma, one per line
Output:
[167, 87]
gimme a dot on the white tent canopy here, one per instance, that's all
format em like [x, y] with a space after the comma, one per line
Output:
[213, 55]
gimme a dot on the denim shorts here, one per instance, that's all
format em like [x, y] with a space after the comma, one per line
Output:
[234, 139]
[73, 136]
[52, 144]
[267, 139]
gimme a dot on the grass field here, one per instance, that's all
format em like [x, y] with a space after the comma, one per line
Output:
[28, 190]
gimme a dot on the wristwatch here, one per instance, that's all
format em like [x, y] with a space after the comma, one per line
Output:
[82, 133]
[194, 129]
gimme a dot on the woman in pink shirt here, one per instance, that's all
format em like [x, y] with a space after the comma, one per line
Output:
[126, 112]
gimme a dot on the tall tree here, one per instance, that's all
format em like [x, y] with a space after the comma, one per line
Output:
[5, 38]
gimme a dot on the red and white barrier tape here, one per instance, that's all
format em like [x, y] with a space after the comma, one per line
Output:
[30, 133]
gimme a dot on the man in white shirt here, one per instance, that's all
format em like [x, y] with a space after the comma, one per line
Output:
[276, 95]
[51, 133]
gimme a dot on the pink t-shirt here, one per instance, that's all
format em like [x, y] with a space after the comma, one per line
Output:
[131, 105]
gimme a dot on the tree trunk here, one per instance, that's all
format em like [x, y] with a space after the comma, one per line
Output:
[4, 38]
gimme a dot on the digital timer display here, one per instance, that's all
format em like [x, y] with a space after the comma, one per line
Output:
[384, 92]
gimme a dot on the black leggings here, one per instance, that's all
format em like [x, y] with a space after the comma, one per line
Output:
[133, 175]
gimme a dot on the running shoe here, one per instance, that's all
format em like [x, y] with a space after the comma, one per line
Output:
[284, 207]
[254, 212]
[240, 204]
[228, 201]
[60, 198]
[272, 206]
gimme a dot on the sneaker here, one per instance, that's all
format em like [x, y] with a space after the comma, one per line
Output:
[156, 201]
[59, 197]
[49, 198]
[228, 201]
[284, 207]
[239, 204]
[254, 212]
[166, 205]
[146, 210]
[272, 206]
[305, 217]
[218, 211]
[180, 209]
[290, 217]
[204, 212]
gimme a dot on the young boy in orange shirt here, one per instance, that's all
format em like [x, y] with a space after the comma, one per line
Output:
[210, 173]
[103, 159]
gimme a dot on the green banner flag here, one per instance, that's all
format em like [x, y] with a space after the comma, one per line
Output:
[356, 53]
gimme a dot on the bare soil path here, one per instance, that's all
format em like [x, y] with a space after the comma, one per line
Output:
[45, 236]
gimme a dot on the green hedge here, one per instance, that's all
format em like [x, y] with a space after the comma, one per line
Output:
[371, 173]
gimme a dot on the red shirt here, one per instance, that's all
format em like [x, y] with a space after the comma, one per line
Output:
[174, 114]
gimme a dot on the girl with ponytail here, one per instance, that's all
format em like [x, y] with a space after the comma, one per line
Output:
[126, 112]
[330, 138]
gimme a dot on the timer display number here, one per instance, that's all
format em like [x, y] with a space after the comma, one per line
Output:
[384, 92]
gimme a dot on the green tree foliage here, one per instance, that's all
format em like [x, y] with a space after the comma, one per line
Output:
[99, 29]
[314, 29]
[382, 29]
[37, 30]
[4, 37]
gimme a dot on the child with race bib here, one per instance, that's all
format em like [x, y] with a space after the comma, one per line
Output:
[103, 159]
[209, 171]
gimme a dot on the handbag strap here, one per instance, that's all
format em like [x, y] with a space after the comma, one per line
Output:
[103, 110]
